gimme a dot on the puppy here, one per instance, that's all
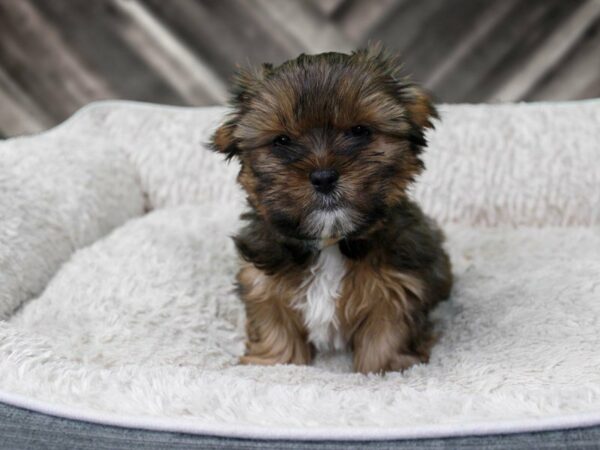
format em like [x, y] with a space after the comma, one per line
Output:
[335, 253]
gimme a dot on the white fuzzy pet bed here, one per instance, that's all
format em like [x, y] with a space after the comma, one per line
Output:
[116, 272]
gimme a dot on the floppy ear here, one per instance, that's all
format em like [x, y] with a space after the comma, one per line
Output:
[418, 104]
[245, 86]
[414, 99]
[223, 140]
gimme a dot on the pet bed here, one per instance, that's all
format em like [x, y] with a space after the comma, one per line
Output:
[116, 269]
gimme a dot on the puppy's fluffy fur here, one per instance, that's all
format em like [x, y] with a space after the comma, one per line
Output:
[336, 254]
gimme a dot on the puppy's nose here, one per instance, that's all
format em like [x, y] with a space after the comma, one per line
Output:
[324, 179]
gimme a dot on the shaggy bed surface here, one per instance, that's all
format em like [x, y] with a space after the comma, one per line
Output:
[116, 275]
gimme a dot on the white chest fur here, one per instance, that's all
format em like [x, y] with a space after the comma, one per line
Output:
[322, 289]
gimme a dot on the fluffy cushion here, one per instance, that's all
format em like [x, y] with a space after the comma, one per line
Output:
[116, 270]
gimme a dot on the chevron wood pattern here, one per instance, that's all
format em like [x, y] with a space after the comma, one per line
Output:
[57, 55]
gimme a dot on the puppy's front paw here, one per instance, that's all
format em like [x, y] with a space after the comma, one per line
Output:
[402, 361]
[260, 360]
[378, 363]
[295, 352]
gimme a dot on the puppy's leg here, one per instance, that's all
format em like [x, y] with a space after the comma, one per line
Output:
[274, 329]
[383, 341]
[391, 329]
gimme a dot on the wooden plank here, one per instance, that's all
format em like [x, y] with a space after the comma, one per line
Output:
[404, 24]
[58, 78]
[438, 36]
[358, 18]
[225, 33]
[178, 65]
[486, 23]
[89, 27]
[554, 48]
[576, 76]
[19, 113]
[328, 7]
[202, 30]
[14, 119]
[314, 33]
[591, 90]
[511, 46]
[486, 57]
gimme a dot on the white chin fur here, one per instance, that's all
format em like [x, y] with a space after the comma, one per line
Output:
[329, 223]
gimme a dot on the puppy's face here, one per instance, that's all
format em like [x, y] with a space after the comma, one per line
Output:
[326, 142]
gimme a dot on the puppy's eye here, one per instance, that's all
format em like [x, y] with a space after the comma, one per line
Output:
[360, 131]
[282, 140]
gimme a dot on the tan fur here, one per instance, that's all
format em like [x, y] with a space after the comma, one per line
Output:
[378, 308]
[382, 313]
[275, 331]
[224, 136]
[420, 108]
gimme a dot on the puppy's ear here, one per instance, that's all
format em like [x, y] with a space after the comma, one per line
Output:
[245, 86]
[223, 140]
[418, 104]
[416, 100]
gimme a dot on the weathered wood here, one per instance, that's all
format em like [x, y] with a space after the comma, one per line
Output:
[34, 53]
[18, 112]
[443, 30]
[177, 64]
[328, 7]
[484, 25]
[358, 18]
[57, 55]
[314, 33]
[520, 35]
[405, 24]
[89, 27]
[576, 77]
[225, 32]
[550, 53]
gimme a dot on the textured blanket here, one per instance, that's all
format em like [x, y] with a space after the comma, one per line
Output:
[116, 271]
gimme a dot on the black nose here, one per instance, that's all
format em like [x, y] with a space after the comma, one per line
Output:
[324, 179]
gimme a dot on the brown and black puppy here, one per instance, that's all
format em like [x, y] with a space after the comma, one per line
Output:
[336, 254]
